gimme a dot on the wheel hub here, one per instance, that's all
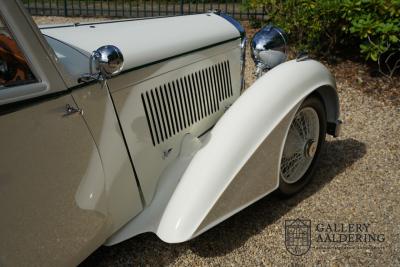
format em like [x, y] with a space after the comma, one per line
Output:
[310, 148]
[301, 145]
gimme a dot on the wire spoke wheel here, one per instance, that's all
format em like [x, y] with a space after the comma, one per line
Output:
[301, 145]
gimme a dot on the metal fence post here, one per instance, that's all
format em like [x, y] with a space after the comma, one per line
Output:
[113, 7]
[65, 8]
[181, 7]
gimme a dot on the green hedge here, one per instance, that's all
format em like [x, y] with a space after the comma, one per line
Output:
[328, 26]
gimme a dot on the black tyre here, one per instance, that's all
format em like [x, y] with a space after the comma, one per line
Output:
[303, 145]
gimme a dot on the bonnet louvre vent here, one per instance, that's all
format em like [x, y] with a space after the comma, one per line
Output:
[176, 105]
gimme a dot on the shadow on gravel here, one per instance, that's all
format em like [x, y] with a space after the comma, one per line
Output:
[147, 249]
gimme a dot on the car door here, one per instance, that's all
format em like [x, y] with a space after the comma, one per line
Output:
[53, 204]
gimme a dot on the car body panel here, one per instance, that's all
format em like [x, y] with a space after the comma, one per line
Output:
[123, 196]
[52, 195]
[212, 169]
[142, 74]
[74, 61]
[148, 41]
[225, 156]
[61, 194]
[257, 178]
[151, 136]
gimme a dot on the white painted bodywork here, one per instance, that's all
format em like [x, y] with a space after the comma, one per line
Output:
[120, 191]
[146, 41]
[225, 151]
[257, 112]
[149, 159]
[97, 175]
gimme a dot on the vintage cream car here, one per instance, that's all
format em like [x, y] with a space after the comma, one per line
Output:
[112, 129]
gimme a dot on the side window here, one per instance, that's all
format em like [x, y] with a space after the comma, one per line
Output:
[14, 69]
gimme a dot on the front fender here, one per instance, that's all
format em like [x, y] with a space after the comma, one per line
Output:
[233, 141]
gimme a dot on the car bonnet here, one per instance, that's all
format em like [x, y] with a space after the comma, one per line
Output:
[147, 41]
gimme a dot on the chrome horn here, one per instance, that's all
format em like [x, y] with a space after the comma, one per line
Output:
[105, 62]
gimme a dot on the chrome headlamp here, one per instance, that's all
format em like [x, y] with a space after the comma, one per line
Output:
[268, 48]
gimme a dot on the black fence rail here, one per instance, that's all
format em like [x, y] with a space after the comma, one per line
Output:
[137, 8]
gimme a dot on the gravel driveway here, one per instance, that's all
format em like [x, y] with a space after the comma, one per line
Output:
[357, 183]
